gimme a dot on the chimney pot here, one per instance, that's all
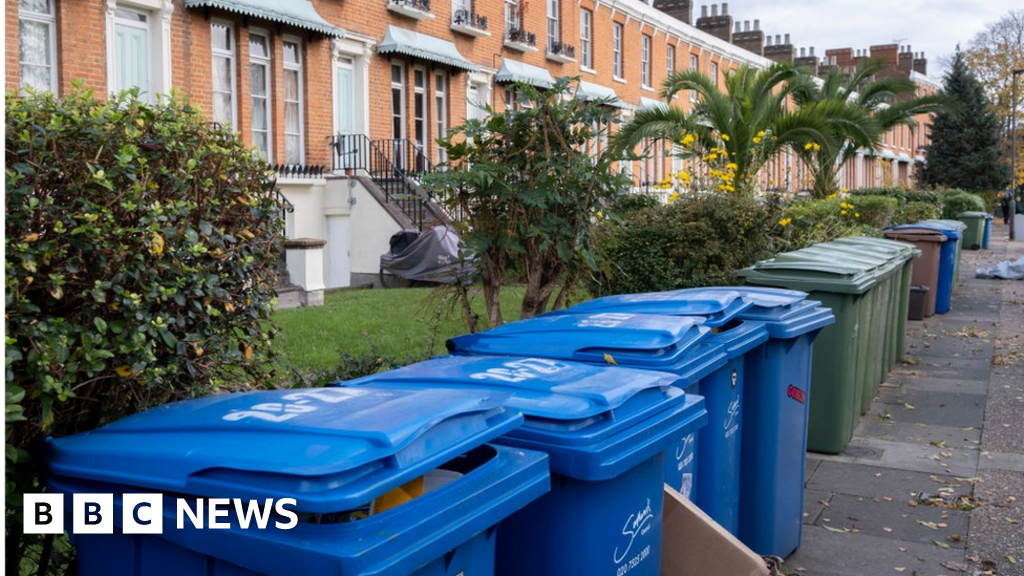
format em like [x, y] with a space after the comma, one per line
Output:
[778, 39]
[725, 8]
[787, 38]
[803, 52]
[739, 27]
[812, 51]
[768, 40]
[746, 25]
[704, 11]
[714, 10]
[757, 25]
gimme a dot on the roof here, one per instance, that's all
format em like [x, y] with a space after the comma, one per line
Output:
[515, 71]
[401, 41]
[298, 13]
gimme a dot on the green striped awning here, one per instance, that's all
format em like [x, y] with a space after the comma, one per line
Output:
[515, 71]
[401, 41]
[591, 91]
[298, 13]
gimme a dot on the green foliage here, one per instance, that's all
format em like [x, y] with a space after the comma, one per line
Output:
[530, 187]
[917, 211]
[813, 221]
[956, 201]
[911, 203]
[745, 116]
[875, 211]
[964, 150]
[695, 241]
[141, 249]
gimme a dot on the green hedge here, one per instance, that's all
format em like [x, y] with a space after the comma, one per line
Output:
[696, 241]
[905, 198]
[918, 211]
[956, 201]
[875, 211]
[141, 249]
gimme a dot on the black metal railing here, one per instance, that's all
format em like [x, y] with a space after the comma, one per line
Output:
[520, 36]
[422, 5]
[297, 170]
[562, 49]
[469, 18]
[286, 206]
[396, 167]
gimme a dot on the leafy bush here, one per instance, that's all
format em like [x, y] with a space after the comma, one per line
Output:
[956, 201]
[875, 211]
[918, 211]
[141, 248]
[905, 197]
[695, 241]
[814, 221]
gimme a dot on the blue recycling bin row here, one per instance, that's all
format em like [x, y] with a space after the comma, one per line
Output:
[538, 447]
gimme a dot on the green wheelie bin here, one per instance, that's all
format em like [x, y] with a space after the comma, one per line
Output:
[840, 284]
[974, 236]
[907, 253]
[874, 327]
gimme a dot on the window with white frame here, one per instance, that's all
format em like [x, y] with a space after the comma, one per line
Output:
[714, 74]
[645, 61]
[419, 108]
[397, 101]
[259, 91]
[222, 48]
[294, 152]
[513, 16]
[440, 110]
[138, 40]
[462, 8]
[554, 32]
[670, 59]
[617, 49]
[694, 65]
[37, 44]
[586, 38]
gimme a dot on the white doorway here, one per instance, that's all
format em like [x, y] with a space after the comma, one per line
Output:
[339, 242]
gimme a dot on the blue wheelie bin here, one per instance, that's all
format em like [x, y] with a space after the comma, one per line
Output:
[716, 489]
[947, 262]
[775, 395]
[605, 430]
[988, 232]
[680, 345]
[338, 453]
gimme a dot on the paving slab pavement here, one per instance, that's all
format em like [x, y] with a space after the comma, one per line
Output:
[932, 482]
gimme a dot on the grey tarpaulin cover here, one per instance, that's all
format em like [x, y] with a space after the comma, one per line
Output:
[432, 256]
[1005, 270]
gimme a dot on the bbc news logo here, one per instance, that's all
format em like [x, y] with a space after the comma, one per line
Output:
[144, 513]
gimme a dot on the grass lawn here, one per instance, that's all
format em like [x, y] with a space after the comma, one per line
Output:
[398, 323]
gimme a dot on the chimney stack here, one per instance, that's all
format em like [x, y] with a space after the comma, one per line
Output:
[679, 9]
[749, 40]
[717, 25]
[779, 51]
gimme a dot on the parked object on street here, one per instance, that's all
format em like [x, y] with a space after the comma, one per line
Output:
[605, 429]
[334, 451]
[432, 257]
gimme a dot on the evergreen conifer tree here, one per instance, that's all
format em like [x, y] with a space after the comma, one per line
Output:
[964, 149]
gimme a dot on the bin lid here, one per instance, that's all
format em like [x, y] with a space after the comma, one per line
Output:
[902, 250]
[802, 270]
[594, 421]
[785, 313]
[915, 233]
[951, 228]
[671, 343]
[972, 214]
[718, 307]
[579, 401]
[332, 449]
[884, 263]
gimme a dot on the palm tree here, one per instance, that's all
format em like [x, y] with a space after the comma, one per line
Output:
[886, 101]
[749, 119]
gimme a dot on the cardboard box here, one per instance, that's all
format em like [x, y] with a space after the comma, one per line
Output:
[695, 545]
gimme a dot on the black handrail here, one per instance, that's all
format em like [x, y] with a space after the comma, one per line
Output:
[395, 166]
